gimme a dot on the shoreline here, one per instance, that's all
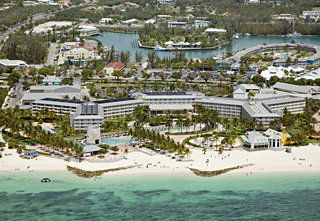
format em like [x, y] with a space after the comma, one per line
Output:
[304, 159]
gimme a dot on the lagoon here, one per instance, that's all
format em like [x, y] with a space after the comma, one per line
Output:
[128, 42]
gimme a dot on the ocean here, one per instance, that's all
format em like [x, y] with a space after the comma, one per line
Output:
[260, 196]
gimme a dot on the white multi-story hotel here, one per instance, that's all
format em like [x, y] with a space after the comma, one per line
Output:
[160, 102]
[83, 114]
[264, 108]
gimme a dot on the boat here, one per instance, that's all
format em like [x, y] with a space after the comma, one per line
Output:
[159, 48]
[247, 34]
[45, 180]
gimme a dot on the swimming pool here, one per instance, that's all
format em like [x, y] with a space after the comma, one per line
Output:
[285, 55]
[116, 141]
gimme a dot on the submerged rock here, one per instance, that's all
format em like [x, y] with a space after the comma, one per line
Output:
[88, 174]
[217, 172]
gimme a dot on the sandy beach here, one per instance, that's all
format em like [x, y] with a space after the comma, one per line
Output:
[301, 159]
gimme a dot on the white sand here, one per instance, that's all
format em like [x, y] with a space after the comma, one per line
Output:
[264, 161]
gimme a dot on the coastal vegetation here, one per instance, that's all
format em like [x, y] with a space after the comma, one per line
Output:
[151, 36]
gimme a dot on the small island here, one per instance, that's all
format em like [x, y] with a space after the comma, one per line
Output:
[183, 38]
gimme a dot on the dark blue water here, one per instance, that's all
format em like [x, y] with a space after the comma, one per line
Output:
[164, 197]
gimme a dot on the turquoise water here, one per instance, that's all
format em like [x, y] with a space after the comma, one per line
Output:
[115, 141]
[128, 42]
[160, 197]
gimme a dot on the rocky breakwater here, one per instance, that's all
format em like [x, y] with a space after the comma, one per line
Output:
[88, 174]
[217, 172]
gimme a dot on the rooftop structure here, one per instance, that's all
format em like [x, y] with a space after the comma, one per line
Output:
[51, 91]
[6, 63]
[116, 65]
[52, 80]
[216, 30]
[293, 88]
[166, 2]
[241, 91]
[255, 139]
[178, 24]
[131, 4]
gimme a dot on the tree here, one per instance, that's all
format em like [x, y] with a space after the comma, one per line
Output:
[206, 76]
[118, 74]
[13, 78]
[138, 56]
[258, 80]
[141, 114]
[86, 74]
[251, 95]
[176, 75]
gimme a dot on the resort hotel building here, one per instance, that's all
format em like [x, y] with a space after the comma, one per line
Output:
[83, 114]
[161, 102]
[263, 107]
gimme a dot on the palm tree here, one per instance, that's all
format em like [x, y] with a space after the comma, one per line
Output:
[215, 139]
[179, 122]
[169, 123]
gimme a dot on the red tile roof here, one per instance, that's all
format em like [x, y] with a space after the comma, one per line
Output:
[118, 65]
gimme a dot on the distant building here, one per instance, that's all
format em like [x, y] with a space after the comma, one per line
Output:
[64, 2]
[311, 14]
[91, 44]
[16, 64]
[81, 54]
[131, 4]
[69, 45]
[52, 80]
[88, 30]
[166, 2]
[178, 24]
[130, 21]
[29, 3]
[293, 88]
[216, 30]
[104, 21]
[202, 23]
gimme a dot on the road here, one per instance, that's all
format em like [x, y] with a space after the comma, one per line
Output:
[52, 53]
[35, 18]
[18, 91]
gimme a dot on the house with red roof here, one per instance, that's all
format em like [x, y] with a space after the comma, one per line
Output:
[116, 65]
[113, 66]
